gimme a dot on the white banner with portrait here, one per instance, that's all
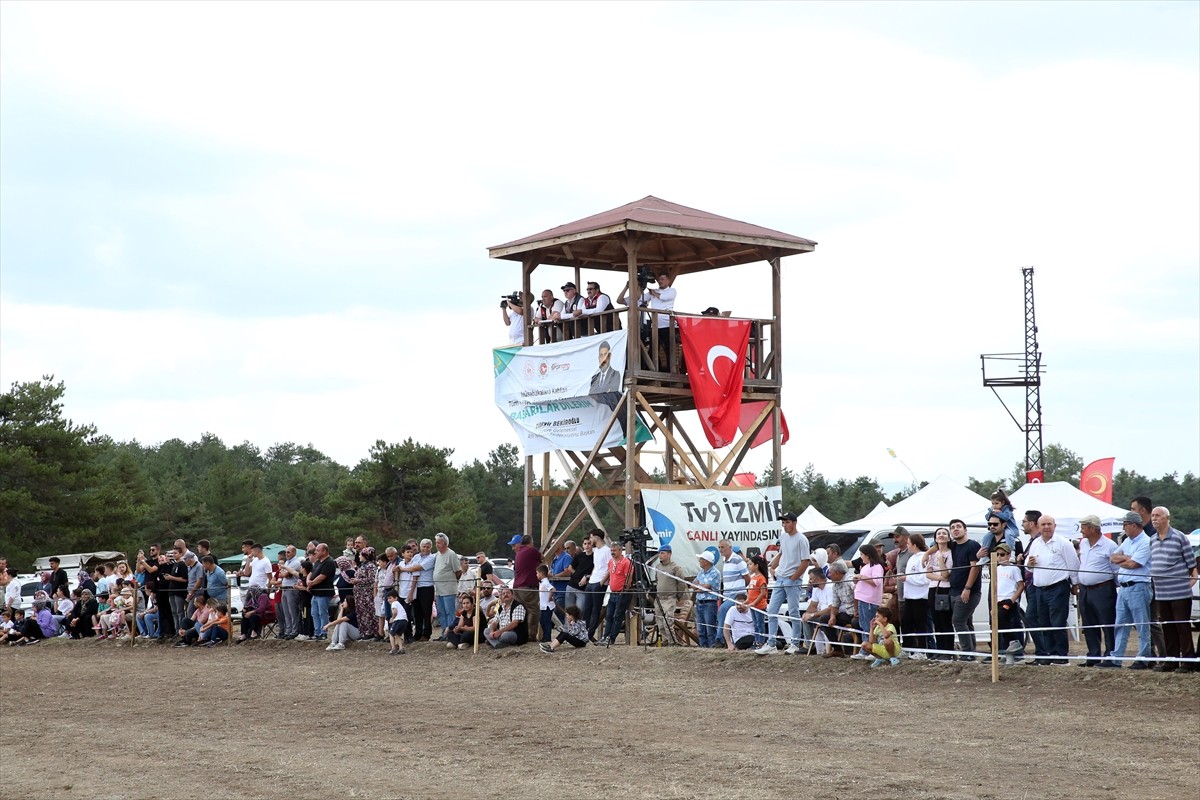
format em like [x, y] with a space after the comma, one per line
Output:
[559, 396]
[693, 520]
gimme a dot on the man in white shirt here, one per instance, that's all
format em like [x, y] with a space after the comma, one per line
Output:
[548, 311]
[257, 569]
[661, 299]
[1054, 564]
[514, 317]
[1097, 590]
[734, 574]
[598, 580]
[822, 609]
[594, 305]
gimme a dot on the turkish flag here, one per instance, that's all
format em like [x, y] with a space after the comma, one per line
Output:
[750, 412]
[1096, 479]
[715, 351]
[744, 479]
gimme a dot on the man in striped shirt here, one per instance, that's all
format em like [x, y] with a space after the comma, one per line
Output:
[1173, 571]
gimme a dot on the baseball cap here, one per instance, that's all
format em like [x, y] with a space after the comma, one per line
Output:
[789, 515]
[1003, 548]
[666, 547]
[1131, 518]
[569, 285]
[707, 556]
[514, 540]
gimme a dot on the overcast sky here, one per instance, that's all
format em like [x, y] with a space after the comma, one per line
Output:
[270, 221]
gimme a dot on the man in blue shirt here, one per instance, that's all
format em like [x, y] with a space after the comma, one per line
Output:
[560, 572]
[708, 583]
[1133, 592]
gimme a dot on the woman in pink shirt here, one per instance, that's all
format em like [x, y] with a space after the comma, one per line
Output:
[868, 586]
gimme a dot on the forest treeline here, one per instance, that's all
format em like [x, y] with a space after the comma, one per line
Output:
[66, 487]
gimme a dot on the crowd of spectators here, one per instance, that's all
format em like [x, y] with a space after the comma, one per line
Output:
[917, 601]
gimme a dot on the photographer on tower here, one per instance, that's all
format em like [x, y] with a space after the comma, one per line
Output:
[512, 308]
[661, 300]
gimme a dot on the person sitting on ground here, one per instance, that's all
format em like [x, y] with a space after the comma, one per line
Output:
[508, 627]
[218, 627]
[79, 624]
[882, 642]
[488, 600]
[257, 607]
[6, 626]
[739, 625]
[25, 629]
[573, 633]
[206, 608]
[147, 619]
[45, 618]
[821, 613]
[64, 604]
[112, 622]
[343, 628]
[462, 635]
[398, 627]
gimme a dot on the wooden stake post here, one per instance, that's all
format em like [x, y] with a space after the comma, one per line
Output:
[995, 621]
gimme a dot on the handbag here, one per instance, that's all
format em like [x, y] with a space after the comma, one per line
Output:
[941, 602]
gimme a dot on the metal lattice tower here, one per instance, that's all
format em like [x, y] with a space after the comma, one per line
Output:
[1027, 367]
[1034, 455]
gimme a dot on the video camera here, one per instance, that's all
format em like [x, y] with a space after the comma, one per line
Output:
[513, 299]
[645, 275]
[635, 536]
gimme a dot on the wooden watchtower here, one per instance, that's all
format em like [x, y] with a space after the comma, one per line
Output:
[665, 237]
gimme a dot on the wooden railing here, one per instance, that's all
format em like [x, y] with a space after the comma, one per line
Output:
[575, 327]
[660, 355]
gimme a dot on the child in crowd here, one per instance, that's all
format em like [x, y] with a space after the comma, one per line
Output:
[756, 596]
[573, 633]
[868, 587]
[738, 630]
[112, 623]
[63, 606]
[218, 626]
[1010, 584]
[25, 629]
[882, 642]
[204, 610]
[545, 602]
[462, 635]
[397, 623]
[6, 626]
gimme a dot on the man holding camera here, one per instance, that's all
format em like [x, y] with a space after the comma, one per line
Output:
[662, 300]
[512, 309]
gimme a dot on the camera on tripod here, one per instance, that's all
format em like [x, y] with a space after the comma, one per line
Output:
[645, 275]
[513, 299]
[635, 536]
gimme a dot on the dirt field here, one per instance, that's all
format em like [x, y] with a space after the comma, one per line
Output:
[289, 720]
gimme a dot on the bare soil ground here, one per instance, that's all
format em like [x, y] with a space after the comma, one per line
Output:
[288, 720]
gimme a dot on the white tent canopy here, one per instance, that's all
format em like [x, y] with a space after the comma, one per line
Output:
[937, 502]
[812, 520]
[880, 506]
[1066, 504]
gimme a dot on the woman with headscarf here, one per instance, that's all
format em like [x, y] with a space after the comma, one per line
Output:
[345, 576]
[45, 617]
[364, 594]
[255, 610]
[80, 623]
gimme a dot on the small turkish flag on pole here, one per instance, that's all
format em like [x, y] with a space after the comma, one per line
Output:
[1096, 479]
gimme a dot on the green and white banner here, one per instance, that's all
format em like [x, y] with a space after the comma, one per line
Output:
[559, 396]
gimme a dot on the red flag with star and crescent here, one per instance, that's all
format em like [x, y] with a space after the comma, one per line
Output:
[715, 351]
[1096, 479]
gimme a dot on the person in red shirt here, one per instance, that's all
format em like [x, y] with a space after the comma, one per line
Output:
[620, 586]
[525, 579]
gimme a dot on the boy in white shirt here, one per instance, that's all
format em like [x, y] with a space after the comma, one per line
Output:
[545, 602]
[398, 624]
[1010, 584]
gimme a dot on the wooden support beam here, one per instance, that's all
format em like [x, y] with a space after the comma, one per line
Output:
[575, 485]
[705, 481]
